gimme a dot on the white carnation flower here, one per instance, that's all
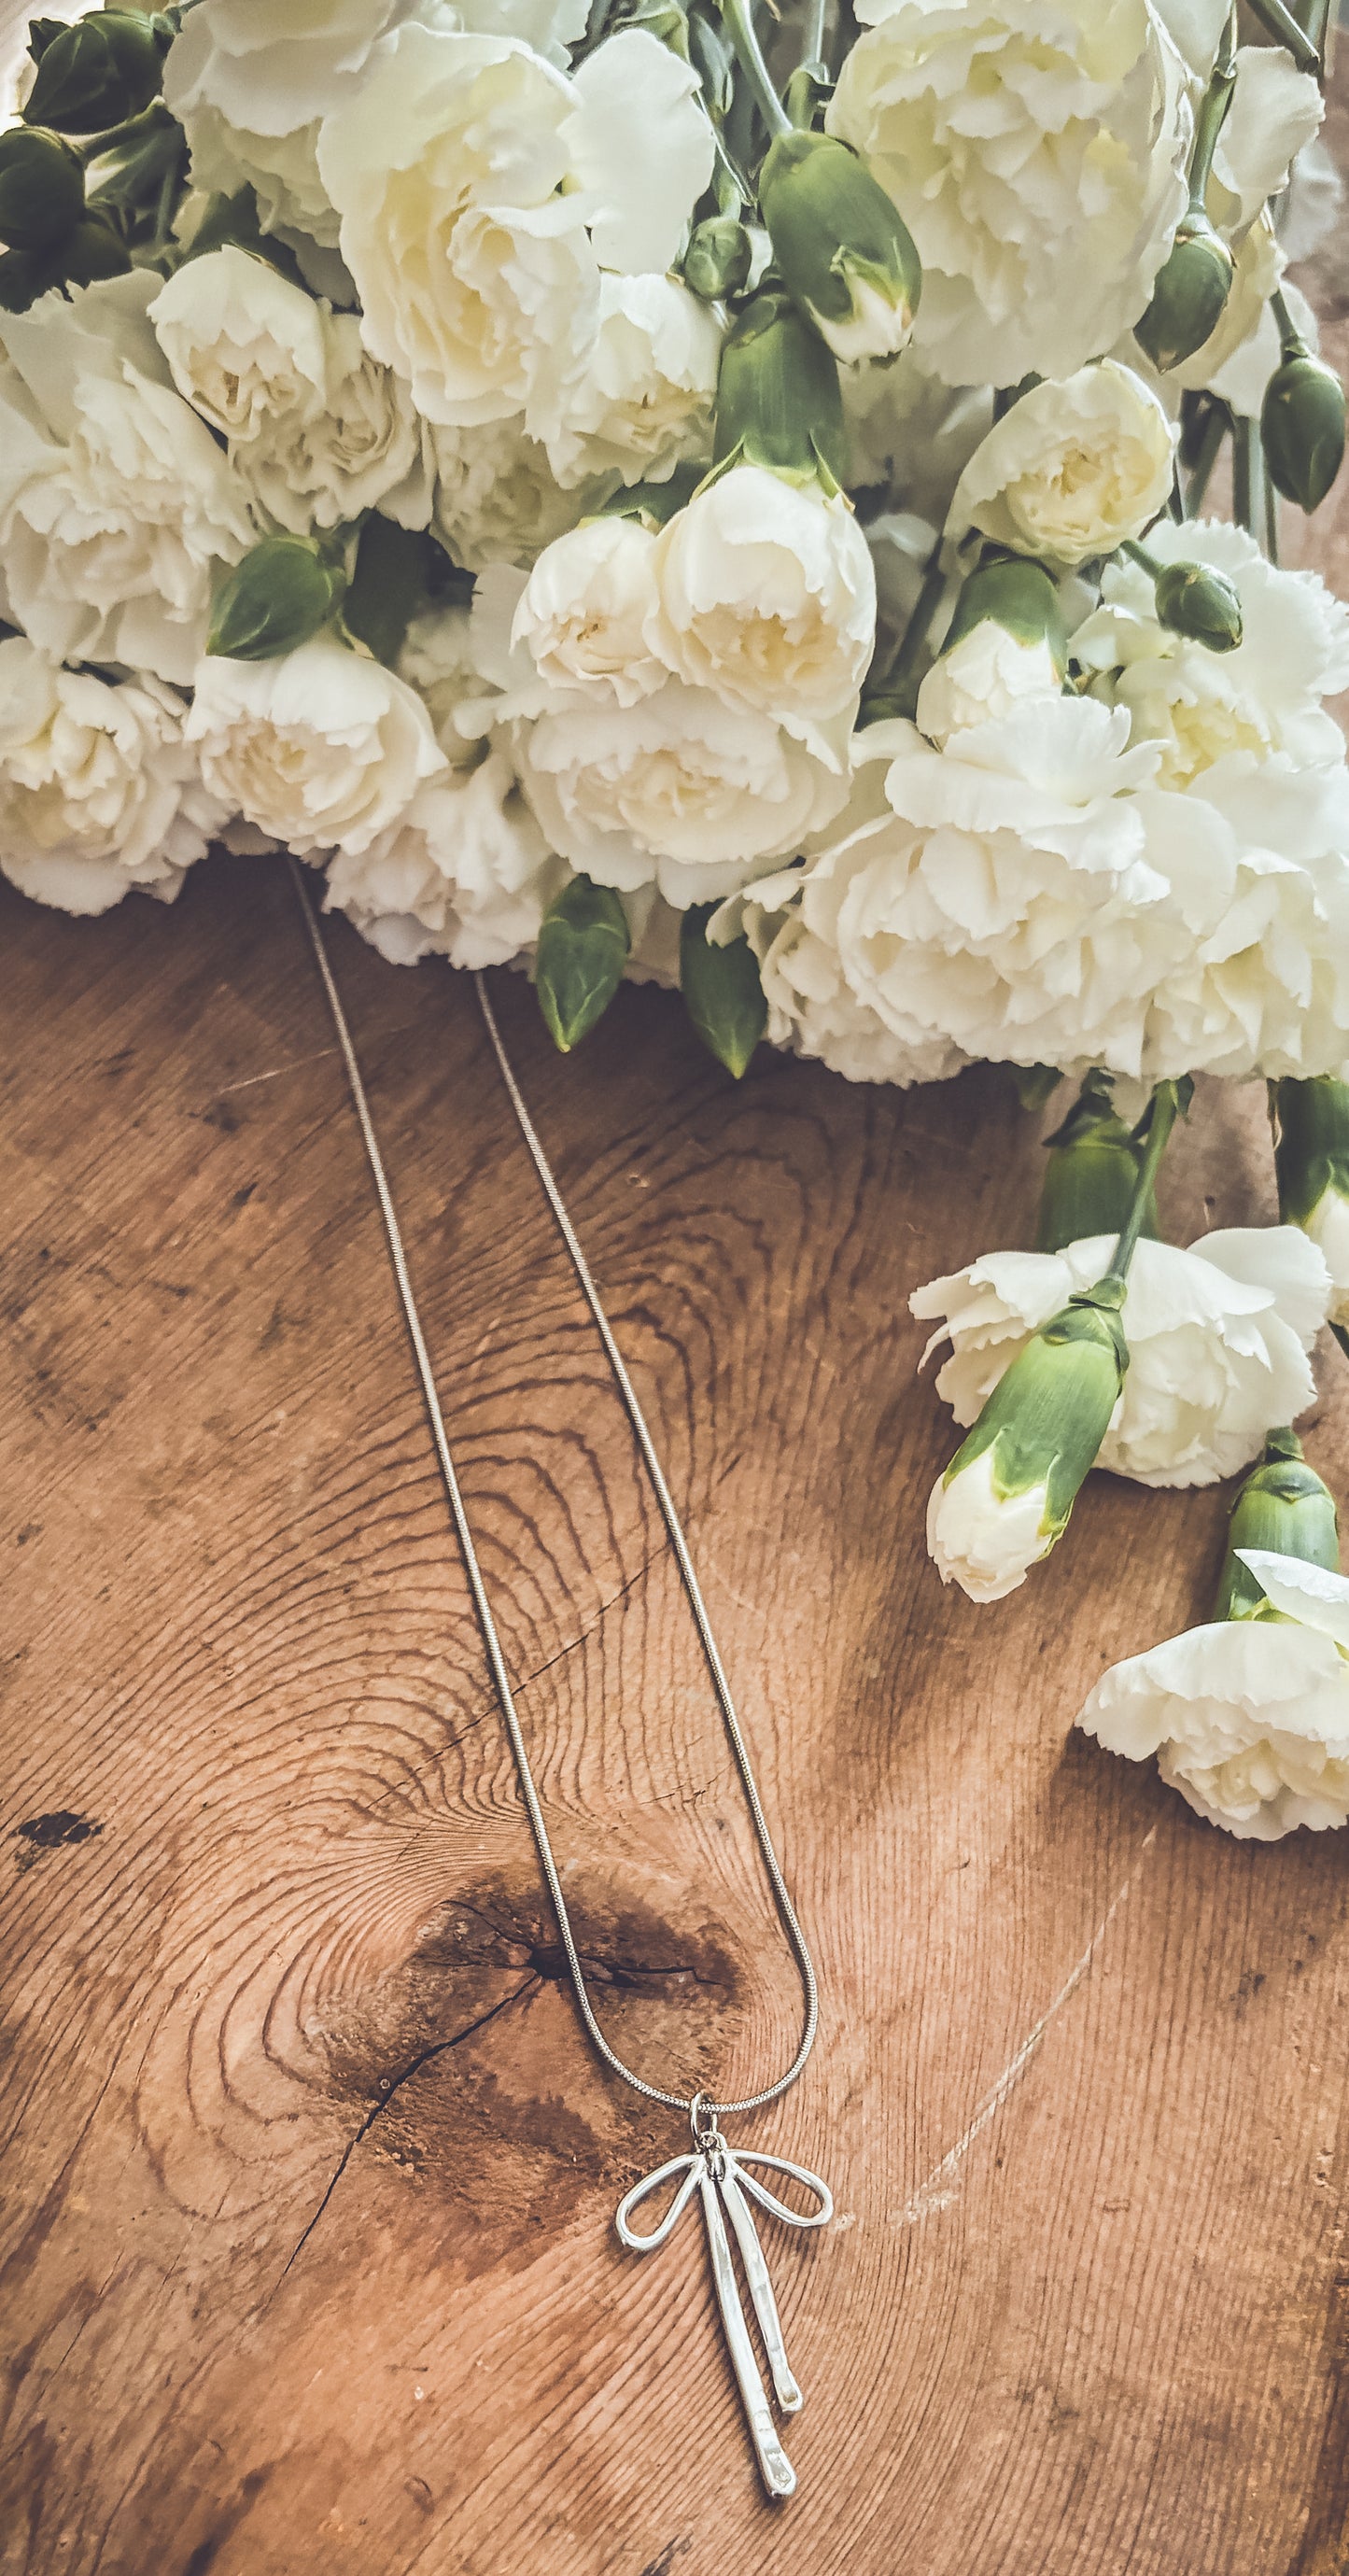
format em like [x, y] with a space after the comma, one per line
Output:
[1247, 738]
[1037, 157]
[117, 508]
[792, 923]
[439, 660]
[466, 874]
[767, 596]
[984, 1540]
[640, 150]
[476, 275]
[1218, 1337]
[1249, 1718]
[583, 613]
[272, 68]
[1004, 901]
[1328, 1227]
[322, 748]
[645, 401]
[497, 499]
[318, 428]
[98, 791]
[241, 341]
[681, 787]
[988, 674]
[1275, 110]
[479, 189]
[364, 449]
[1071, 470]
[1198, 707]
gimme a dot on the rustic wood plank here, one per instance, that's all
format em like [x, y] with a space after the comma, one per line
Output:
[308, 2252]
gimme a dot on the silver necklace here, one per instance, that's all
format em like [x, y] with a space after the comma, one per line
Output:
[722, 2177]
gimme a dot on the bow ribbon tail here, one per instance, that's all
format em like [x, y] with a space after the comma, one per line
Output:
[741, 2217]
[774, 2466]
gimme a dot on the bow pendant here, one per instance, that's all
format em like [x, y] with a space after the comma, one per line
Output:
[723, 2182]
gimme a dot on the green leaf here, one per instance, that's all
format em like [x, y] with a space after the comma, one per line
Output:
[284, 591]
[390, 583]
[722, 990]
[578, 963]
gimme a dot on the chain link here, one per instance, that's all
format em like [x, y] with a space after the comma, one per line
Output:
[491, 1640]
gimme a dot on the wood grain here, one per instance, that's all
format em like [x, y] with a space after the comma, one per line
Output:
[309, 2254]
[306, 2252]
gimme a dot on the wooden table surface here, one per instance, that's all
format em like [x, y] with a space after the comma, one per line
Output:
[308, 2257]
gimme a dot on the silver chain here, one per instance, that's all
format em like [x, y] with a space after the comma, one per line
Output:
[491, 1639]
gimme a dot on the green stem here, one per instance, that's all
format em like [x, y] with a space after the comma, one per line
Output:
[1271, 516]
[1165, 1105]
[813, 50]
[1139, 554]
[1244, 474]
[1291, 342]
[166, 209]
[1215, 431]
[900, 682]
[738, 17]
[1280, 23]
[1212, 115]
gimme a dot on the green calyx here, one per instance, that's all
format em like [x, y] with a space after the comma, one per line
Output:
[1285, 1508]
[285, 590]
[1302, 423]
[718, 259]
[41, 189]
[1016, 593]
[1190, 294]
[1093, 1167]
[97, 73]
[1196, 601]
[1048, 1414]
[722, 990]
[579, 960]
[1311, 1150]
[778, 398]
[845, 255]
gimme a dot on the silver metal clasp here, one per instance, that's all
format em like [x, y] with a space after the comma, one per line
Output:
[707, 2136]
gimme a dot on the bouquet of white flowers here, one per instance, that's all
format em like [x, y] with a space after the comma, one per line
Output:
[661, 489]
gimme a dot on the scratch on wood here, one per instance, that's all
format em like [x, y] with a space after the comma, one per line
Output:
[938, 2191]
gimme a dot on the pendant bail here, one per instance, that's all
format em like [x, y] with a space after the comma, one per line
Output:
[703, 2122]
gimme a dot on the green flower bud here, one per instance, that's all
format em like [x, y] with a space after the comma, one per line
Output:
[283, 592]
[722, 991]
[778, 397]
[1311, 1155]
[1302, 427]
[1017, 594]
[96, 74]
[1006, 1498]
[41, 188]
[1192, 599]
[93, 250]
[845, 254]
[1283, 1507]
[1190, 293]
[1092, 1171]
[717, 261]
[578, 964]
[24, 275]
